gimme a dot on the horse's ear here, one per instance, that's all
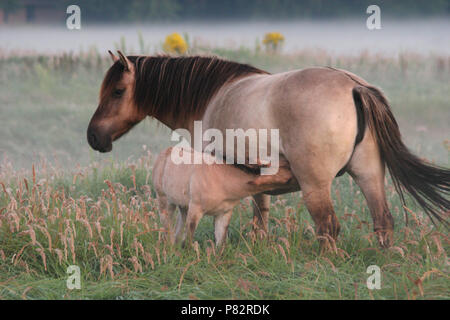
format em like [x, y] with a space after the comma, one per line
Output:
[113, 56]
[124, 60]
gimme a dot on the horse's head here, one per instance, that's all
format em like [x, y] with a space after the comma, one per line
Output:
[117, 112]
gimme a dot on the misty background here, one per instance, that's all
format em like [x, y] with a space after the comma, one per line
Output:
[50, 76]
[335, 26]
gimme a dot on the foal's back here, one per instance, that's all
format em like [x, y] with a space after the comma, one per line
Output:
[184, 181]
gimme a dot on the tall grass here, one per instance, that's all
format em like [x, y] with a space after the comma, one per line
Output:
[104, 219]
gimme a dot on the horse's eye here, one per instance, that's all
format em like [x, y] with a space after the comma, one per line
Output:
[118, 92]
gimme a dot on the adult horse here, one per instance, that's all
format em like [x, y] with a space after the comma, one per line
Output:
[330, 121]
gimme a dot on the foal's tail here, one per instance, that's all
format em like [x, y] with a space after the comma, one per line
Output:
[427, 183]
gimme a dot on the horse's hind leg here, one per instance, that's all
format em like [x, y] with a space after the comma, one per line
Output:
[367, 168]
[315, 182]
[317, 198]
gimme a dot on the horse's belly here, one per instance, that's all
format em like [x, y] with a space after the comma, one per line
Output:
[285, 189]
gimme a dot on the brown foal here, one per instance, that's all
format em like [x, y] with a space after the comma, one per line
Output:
[199, 189]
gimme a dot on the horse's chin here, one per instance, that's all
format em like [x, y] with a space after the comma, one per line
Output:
[106, 149]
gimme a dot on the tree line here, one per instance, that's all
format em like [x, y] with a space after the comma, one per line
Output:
[149, 10]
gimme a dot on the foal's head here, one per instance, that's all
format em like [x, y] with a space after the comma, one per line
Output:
[117, 112]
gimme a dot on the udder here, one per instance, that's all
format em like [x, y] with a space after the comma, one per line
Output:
[283, 181]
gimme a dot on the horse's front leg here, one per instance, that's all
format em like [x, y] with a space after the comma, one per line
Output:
[261, 207]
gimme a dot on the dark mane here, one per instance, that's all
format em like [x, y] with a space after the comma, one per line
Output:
[180, 86]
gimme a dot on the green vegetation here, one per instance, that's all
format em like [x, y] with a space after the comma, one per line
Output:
[104, 218]
[75, 206]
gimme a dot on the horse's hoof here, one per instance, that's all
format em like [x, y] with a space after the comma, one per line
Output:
[385, 238]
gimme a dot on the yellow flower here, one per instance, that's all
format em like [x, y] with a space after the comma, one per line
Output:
[175, 44]
[273, 40]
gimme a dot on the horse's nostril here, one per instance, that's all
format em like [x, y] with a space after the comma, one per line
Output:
[92, 139]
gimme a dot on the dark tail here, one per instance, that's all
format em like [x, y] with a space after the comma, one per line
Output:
[427, 183]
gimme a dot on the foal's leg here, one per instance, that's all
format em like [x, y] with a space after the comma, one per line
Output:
[166, 211]
[194, 214]
[221, 223]
[180, 233]
[367, 168]
[261, 207]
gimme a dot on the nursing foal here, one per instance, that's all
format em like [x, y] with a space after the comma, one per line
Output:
[199, 189]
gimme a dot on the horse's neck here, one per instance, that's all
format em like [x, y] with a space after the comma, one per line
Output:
[174, 124]
[187, 123]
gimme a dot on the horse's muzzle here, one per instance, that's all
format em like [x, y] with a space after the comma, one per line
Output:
[97, 142]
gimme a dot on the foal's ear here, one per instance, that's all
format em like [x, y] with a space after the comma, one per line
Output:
[124, 60]
[113, 56]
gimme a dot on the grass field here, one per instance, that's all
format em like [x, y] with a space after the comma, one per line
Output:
[62, 204]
